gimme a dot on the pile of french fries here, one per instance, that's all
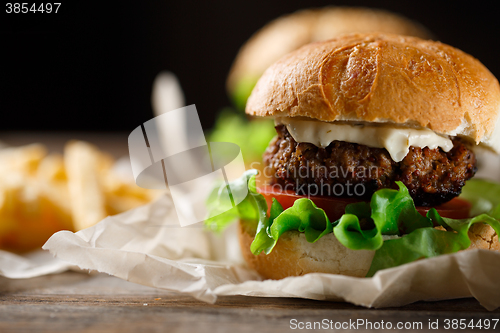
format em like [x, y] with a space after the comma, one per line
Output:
[42, 193]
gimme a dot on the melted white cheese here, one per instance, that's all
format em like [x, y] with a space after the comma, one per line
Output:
[397, 141]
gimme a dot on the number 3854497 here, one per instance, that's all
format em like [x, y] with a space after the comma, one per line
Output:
[26, 7]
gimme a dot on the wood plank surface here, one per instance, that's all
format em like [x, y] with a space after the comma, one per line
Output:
[80, 302]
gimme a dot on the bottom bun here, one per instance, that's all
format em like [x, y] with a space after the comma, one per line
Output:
[293, 255]
[482, 236]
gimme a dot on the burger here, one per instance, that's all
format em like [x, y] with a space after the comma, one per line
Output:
[375, 142]
[279, 37]
[289, 32]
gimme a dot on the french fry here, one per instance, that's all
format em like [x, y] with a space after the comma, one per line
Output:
[21, 159]
[41, 194]
[123, 195]
[51, 168]
[28, 217]
[83, 167]
[52, 179]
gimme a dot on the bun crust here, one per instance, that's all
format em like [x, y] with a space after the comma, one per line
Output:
[384, 78]
[289, 32]
[294, 256]
[483, 236]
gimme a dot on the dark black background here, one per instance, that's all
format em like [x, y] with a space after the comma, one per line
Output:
[91, 66]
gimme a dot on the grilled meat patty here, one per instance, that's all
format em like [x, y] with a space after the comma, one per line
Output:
[352, 170]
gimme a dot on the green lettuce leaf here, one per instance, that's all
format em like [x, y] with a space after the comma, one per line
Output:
[303, 216]
[393, 213]
[263, 240]
[428, 242]
[252, 136]
[242, 91]
[222, 213]
[482, 194]
[364, 225]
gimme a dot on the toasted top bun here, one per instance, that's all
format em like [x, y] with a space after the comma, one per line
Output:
[384, 78]
[290, 32]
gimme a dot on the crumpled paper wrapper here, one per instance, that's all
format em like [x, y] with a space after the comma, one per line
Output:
[147, 246]
[36, 263]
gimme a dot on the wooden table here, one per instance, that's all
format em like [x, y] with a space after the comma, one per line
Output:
[76, 302]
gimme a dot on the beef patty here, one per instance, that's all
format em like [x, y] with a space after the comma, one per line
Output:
[348, 169]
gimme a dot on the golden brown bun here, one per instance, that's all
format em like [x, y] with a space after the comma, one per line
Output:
[290, 32]
[483, 236]
[294, 256]
[384, 78]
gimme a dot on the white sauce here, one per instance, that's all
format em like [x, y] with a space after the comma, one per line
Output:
[397, 141]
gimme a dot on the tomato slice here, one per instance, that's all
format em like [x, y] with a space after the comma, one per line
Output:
[334, 207]
[456, 208]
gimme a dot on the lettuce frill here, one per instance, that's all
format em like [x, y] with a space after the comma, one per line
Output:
[389, 213]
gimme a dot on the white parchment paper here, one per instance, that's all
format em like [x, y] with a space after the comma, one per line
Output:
[30, 265]
[147, 246]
